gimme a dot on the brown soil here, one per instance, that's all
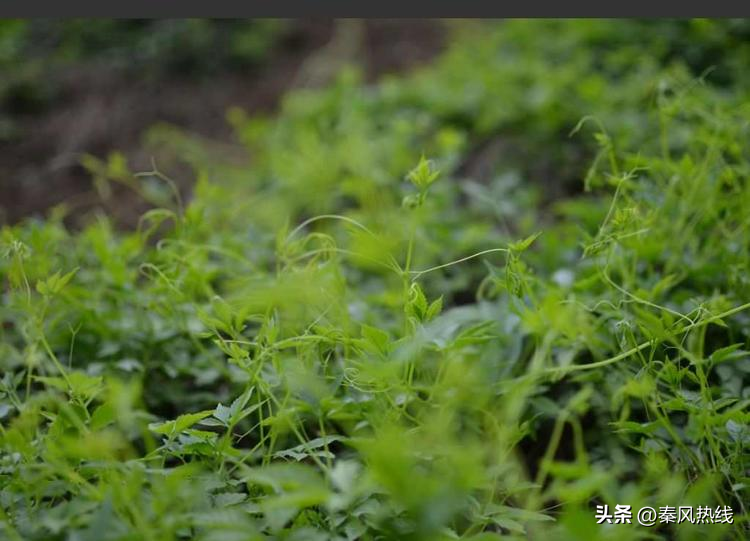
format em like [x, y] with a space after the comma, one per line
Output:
[100, 110]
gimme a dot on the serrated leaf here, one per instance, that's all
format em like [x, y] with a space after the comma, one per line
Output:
[434, 309]
[170, 428]
[728, 353]
[223, 413]
[310, 448]
[521, 245]
[377, 338]
[239, 403]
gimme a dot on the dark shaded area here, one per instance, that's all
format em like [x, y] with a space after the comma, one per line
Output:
[94, 89]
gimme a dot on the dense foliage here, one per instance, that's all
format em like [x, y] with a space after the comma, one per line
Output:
[467, 303]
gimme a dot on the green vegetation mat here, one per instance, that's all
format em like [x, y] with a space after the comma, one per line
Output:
[472, 302]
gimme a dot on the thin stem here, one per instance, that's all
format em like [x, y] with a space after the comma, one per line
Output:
[417, 274]
[642, 346]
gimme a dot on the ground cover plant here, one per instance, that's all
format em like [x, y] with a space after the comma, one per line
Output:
[471, 302]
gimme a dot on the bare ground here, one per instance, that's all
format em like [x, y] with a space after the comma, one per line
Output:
[101, 109]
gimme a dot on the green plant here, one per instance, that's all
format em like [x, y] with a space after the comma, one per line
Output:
[349, 341]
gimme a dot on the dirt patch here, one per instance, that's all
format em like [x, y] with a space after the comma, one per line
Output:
[100, 109]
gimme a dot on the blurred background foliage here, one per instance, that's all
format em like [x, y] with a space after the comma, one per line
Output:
[337, 318]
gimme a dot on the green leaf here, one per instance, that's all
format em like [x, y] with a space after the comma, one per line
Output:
[55, 283]
[237, 408]
[103, 416]
[77, 383]
[423, 175]
[522, 245]
[435, 308]
[728, 353]
[170, 428]
[417, 305]
[223, 413]
[310, 448]
[377, 338]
